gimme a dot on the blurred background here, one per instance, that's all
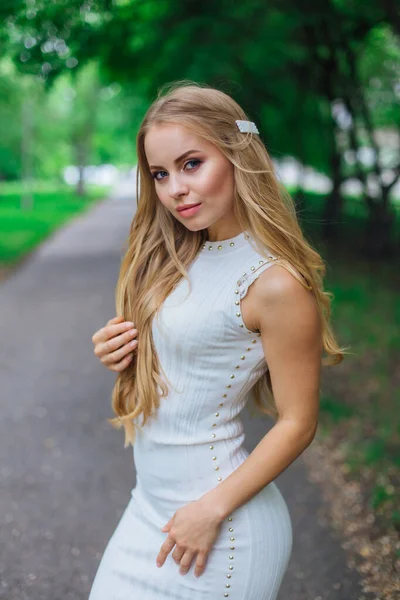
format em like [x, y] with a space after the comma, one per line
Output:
[322, 82]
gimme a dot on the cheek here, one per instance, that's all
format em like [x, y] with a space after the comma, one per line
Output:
[163, 196]
[219, 183]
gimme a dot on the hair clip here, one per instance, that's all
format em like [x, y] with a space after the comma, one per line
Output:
[247, 126]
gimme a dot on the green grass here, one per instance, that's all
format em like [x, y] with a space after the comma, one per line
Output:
[21, 230]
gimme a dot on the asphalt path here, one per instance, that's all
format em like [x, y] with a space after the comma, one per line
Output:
[65, 477]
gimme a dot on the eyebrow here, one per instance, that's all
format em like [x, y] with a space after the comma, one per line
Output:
[177, 160]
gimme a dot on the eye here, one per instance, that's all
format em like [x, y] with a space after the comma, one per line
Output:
[154, 175]
[193, 160]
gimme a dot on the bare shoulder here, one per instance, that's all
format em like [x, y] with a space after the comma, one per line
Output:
[280, 297]
[278, 283]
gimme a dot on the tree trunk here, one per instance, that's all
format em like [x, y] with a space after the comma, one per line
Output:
[334, 204]
[378, 241]
[81, 163]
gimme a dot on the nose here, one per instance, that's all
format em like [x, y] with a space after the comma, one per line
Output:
[176, 186]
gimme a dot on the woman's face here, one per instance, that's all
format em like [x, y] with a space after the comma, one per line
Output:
[189, 170]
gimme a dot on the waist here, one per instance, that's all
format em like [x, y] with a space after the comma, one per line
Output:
[185, 471]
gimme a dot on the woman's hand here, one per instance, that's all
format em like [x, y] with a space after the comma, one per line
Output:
[193, 529]
[114, 344]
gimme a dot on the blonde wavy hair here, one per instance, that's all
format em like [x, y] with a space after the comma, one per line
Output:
[159, 248]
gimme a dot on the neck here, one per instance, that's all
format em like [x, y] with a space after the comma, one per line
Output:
[223, 233]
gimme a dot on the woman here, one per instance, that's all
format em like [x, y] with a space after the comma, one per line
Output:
[220, 297]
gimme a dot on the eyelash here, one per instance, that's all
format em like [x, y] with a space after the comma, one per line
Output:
[154, 175]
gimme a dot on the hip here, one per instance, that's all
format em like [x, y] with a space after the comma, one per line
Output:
[248, 559]
[264, 515]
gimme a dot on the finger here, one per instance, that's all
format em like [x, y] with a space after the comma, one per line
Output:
[165, 550]
[178, 553]
[200, 564]
[109, 331]
[100, 331]
[115, 320]
[116, 348]
[118, 367]
[111, 359]
[186, 561]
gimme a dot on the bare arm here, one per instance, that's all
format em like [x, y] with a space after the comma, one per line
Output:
[290, 329]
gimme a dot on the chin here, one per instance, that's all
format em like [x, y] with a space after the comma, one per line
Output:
[193, 227]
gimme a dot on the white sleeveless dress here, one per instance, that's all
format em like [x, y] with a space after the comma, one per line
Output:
[195, 441]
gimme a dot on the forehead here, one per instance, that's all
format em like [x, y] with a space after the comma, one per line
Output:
[165, 142]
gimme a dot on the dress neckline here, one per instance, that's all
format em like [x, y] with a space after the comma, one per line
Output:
[219, 247]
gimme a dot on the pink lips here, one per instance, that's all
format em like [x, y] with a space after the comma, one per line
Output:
[188, 212]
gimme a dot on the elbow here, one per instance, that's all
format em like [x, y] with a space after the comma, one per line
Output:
[311, 436]
[310, 433]
[303, 431]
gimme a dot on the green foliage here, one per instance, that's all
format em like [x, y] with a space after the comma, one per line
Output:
[380, 73]
[10, 115]
[77, 113]
[286, 64]
[265, 50]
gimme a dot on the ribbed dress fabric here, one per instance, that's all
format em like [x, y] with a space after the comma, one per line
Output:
[195, 440]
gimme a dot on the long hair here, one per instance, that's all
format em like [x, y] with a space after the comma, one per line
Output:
[159, 248]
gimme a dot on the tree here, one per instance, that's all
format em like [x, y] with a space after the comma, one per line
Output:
[290, 64]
